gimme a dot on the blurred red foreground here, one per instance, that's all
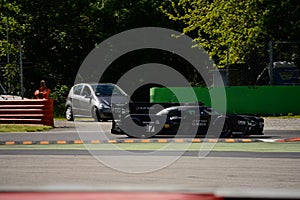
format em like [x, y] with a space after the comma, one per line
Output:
[104, 196]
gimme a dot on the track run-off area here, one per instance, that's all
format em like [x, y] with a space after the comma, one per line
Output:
[61, 158]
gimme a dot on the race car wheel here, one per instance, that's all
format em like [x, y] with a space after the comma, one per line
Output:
[69, 114]
[127, 123]
[226, 131]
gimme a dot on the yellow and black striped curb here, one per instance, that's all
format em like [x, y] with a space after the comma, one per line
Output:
[128, 141]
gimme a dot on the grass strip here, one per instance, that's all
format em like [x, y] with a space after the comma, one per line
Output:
[23, 128]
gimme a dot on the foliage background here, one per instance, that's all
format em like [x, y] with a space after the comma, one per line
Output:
[57, 35]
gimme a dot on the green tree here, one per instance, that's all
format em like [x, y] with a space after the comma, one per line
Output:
[12, 29]
[246, 25]
[58, 35]
[215, 24]
[282, 20]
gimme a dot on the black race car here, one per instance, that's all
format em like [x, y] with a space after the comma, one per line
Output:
[186, 120]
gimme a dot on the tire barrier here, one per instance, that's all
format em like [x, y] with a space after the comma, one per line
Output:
[29, 111]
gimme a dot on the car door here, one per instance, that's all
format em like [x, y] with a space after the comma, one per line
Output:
[188, 119]
[86, 101]
[194, 120]
[75, 99]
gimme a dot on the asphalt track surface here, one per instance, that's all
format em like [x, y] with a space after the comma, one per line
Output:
[70, 131]
[72, 171]
[237, 154]
[63, 169]
[73, 135]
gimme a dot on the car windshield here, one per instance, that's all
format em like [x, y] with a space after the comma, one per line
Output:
[107, 90]
[168, 110]
[207, 110]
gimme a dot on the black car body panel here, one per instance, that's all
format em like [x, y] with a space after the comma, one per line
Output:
[178, 116]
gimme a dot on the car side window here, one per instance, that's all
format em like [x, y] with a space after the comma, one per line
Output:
[174, 113]
[77, 89]
[86, 91]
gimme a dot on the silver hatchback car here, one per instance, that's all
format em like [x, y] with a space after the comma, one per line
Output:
[94, 100]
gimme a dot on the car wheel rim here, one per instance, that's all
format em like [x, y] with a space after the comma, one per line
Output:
[225, 128]
[69, 113]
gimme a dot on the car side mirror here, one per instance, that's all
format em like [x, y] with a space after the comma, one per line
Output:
[88, 96]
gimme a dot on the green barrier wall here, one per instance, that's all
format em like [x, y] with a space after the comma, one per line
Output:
[260, 100]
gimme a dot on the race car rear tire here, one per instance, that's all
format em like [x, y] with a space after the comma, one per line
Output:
[136, 121]
[226, 130]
